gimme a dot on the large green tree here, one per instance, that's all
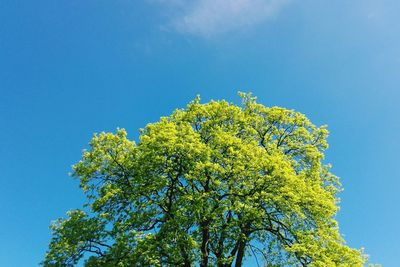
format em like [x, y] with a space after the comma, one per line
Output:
[209, 185]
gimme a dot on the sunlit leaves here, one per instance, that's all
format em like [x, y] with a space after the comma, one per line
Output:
[207, 185]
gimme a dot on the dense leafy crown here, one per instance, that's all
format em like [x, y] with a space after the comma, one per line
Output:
[209, 185]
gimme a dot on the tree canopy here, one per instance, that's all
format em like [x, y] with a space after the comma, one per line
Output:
[209, 185]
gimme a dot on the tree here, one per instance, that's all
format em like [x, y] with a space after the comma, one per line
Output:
[207, 186]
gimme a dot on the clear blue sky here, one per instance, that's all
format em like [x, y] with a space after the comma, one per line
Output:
[72, 68]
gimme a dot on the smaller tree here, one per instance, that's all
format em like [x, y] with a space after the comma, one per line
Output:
[207, 186]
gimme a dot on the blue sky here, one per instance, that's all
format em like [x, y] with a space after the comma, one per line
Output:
[72, 68]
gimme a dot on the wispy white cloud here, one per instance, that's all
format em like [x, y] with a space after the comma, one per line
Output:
[208, 18]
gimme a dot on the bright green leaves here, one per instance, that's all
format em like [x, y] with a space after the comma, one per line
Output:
[110, 158]
[74, 237]
[171, 146]
[205, 186]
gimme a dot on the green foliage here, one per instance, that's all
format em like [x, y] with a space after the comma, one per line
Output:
[209, 185]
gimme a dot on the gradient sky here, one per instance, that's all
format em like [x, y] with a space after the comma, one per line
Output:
[70, 68]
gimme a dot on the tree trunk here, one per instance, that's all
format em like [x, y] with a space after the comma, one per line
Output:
[186, 261]
[240, 253]
[204, 244]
